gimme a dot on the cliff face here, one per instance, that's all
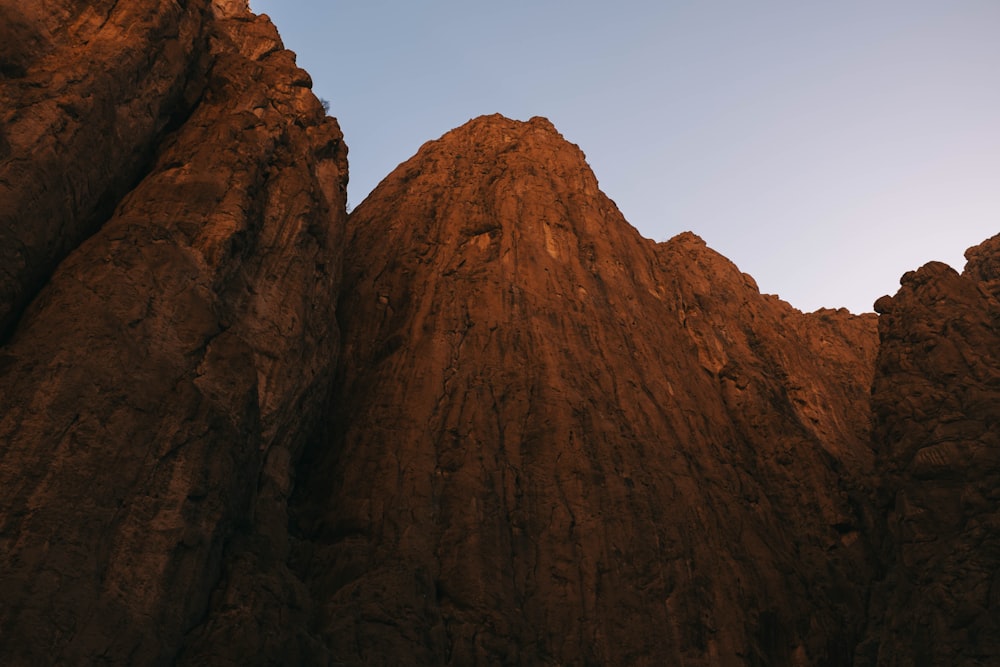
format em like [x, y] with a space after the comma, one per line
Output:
[169, 160]
[557, 442]
[937, 405]
[480, 421]
[88, 90]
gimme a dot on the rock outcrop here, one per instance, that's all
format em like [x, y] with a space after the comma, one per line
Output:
[89, 90]
[479, 421]
[173, 206]
[556, 442]
[937, 407]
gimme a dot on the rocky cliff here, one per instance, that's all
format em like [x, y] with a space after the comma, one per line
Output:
[937, 406]
[478, 421]
[173, 209]
[556, 442]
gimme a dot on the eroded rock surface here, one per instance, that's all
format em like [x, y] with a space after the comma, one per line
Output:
[88, 90]
[482, 421]
[155, 393]
[937, 407]
[556, 442]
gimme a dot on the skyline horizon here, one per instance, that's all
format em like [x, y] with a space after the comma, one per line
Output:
[825, 151]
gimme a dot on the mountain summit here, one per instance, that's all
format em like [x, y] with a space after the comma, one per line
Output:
[548, 431]
[478, 421]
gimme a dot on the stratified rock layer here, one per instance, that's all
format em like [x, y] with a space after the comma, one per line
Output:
[155, 393]
[556, 442]
[937, 407]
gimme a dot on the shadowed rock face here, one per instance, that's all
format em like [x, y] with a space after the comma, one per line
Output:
[558, 442]
[937, 406]
[481, 421]
[88, 90]
[156, 390]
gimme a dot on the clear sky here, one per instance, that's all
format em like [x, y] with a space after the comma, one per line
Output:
[826, 147]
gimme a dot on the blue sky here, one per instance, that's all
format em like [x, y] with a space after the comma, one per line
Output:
[824, 147]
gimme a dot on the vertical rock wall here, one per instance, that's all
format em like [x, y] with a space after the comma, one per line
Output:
[481, 422]
[88, 90]
[556, 442]
[177, 198]
[937, 408]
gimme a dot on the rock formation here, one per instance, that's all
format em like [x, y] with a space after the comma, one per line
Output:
[171, 160]
[479, 421]
[556, 442]
[937, 405]
[89, 89]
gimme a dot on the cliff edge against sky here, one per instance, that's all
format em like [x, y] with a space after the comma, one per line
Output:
[478, 421]
[173, 214]
[554, 435]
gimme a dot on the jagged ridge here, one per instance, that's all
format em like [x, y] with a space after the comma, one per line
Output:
[157, 389]
[541, 438]
[552, 435]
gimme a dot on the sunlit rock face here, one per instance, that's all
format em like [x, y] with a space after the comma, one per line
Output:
[172, 198]
[479, 421]
[937, 408]
[89, 89]
[556, 442]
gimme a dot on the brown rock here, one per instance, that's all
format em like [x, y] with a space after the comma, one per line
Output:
[155, 393]
[556, 442]
[89, 90]
[937, 407]
[984, 263]
[541, 438]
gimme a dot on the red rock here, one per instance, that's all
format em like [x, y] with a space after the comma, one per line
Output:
[155, 394]
[555, 441]
[509, 431]
[936, 399]
[90, 89]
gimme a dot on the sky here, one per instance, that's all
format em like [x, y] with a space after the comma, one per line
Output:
[824, 147]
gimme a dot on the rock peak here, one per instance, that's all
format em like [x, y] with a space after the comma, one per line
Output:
[479, 421]
[538, 363]
[984, 260]
[496, 132]
[501, 121]
[492, 167]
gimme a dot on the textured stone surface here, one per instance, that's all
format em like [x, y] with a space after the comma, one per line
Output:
[86, 91]
[556, 442]
[540, 438]
[937, 408]
[155, 393]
